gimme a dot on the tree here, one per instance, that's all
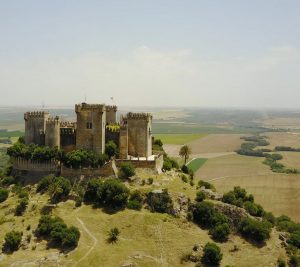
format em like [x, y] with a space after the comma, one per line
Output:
[113, 235]
[212, 255]
[185, 152]
[12, 240]
[111, 149]
[59, 188]
[3, 194]
[21, 207]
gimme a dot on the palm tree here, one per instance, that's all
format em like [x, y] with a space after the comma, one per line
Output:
[185, 152]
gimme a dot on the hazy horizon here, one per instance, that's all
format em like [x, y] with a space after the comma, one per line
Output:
[174, 54]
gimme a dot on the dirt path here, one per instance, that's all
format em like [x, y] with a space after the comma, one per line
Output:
[91, 235]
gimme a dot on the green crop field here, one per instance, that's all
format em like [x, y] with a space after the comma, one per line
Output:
[178, 139]
[196, 164]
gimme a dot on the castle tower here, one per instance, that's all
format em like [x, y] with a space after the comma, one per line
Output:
[139, 134]
[91, 121]
[52, 134]
[111, 114]
[35, 126]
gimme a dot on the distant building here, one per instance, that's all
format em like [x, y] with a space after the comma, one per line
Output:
[96, 125]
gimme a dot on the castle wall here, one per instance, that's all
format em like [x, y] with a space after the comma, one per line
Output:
[139, 134]
[35, 126]
[67, 139]
[90, 133]
[111, 114]
[52, 133]
[123, 142]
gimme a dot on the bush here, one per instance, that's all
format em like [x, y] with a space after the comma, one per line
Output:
[71, 237]
[7, 180]
[220, 232]
[229, 198]
[160, 202]
[126, 170]
[184, 178]
[185, 169]
[113, 235]
[84, 158]
[21, 207]
[294, 239]
[254, 209]
[200, 196]
[294, 261]
[3, 194]
[44, 183]
[93, 187]
[135, 201]
[284, 223]
[158, 142]
[150, 181]
[204, 213]
[12, 240]
[212, 254]
[59, 188]
[268, 216]
[255, 230]
[281, 262]
[206, 185]
[111, 149]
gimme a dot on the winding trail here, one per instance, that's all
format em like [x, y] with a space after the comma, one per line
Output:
[91, 235]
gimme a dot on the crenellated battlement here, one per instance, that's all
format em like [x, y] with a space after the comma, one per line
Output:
[67, 124]
[53, 121]
[85, 106]
[111, 108]
[35, 114]
[138, 116]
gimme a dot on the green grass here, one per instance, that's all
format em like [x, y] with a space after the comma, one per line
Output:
[196, 164]
[11, 133]
[178, 139]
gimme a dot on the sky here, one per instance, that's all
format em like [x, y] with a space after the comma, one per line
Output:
[233, 53]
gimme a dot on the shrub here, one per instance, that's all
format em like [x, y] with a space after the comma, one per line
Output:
[3, 194]
[185, 169]
[254, 209]
[255, 230]
[71, 237]
[269, 217]
[184, 178]
[12, 240]
[160, 201]
[23, 194]
[59, 188]
[204, 213]
[284, 223]
[111, 149]
[44, 183]
[206, 185]
[212, 254]
[126, 170]
[113, 235]
[294, 261]
[78, 201]
[281, 262]
[229, 198]
[150, 180]
[220, 232]
[158, 142]
[21, 207]
[200, 196]
[7, 180]
[135, 201]
[294, 239]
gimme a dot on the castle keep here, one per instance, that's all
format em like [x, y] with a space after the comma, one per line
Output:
[96, 124]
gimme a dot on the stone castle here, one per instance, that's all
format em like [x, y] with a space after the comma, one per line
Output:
[96, 125]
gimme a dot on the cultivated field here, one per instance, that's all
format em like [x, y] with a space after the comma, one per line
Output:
[291, 139]
[178, 139]
[278, 193]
